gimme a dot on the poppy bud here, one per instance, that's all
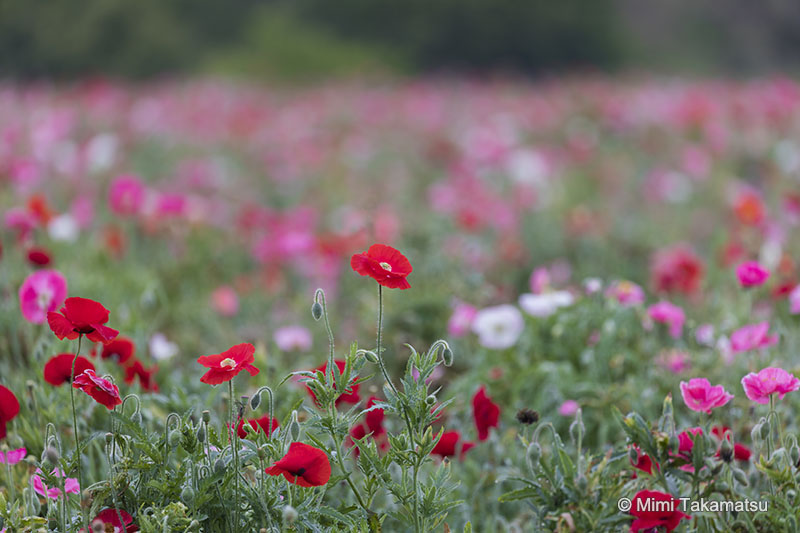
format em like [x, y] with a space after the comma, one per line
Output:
[206, 417]
[316, 310]
[136, 418]
[294, 427]
[739, 476]
[532, 456]
[765, 429]
[255, 401]
[755, 434]
[430, 400]
[726, 450]
[109, 438]
[582, 482]
[32, 505]
[289, 514]
[673, 443]
[633, 455]
[794, 453]
[30, 385]
[447, 357]
[219, 466]
[201, 434]
[577, 429]
[51, 455]
[791, 495]
[174, 438]
[370, 356]
[187, 495]
[722, 486]
[194, 524]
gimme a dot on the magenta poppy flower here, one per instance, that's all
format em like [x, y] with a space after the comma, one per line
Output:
[12, 457]
[770, 380]
[70, 485]
[751, 337]
[460, 322]
[669, 314]
[701, 396]
[126, 195]
[751, 274]
[41, 292]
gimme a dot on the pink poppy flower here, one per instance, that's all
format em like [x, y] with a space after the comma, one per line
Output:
[225, 301]
[12, 457]
[291, 338]
[126, 195]
[751, 337]
[670, 314]
[568, 408]
[626, 293]
[460, 321]
[701, 396]
[751, 274]
[794, 300]
[41, 292]
[70, 485]
[770, 380]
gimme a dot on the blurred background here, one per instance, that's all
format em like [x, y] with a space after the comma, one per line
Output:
[308, 40]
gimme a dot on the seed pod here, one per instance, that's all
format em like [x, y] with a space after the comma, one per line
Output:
[316, 310]
[109, 438]
[206, 417]
[532, 456]
[447, 357]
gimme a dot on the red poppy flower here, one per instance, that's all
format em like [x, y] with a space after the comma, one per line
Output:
[303, 465]
[667, 515]
[374, 418]
[58, 370]
[81, 316]
[137, 369]
[485, 412]
[740, 451]
[120, 349]
[385, 265]
[358, 431]
[103, 391]
[677, 269]
[225, 366]
[258, 424]
[448, 443]
[37, 205]
[9, 408]
[38, 257]
[351, 393]
[643, 462]
[110, 518]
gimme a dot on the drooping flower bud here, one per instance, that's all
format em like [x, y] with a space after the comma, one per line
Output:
[447, 356]
[532, 456]
[255, 401]
[316, 310]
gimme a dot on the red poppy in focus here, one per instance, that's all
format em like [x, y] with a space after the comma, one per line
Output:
[146, 380]
[385, 265]
[303, 465]
[9, 408]
[103, 391]
[677, 269]
[81, 316]
[258, 424]
[120, 349]
[448, 444]
[58, 370]
[110, 519]
[485, 412]
[643, 462]
[225, 366]
[666, 515]
[350, 394]
[38, 257]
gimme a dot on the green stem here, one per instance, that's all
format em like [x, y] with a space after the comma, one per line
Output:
[75, 431]
[234, 436]
[334, 416]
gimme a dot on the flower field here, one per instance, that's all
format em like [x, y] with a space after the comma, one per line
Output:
[424, 306]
